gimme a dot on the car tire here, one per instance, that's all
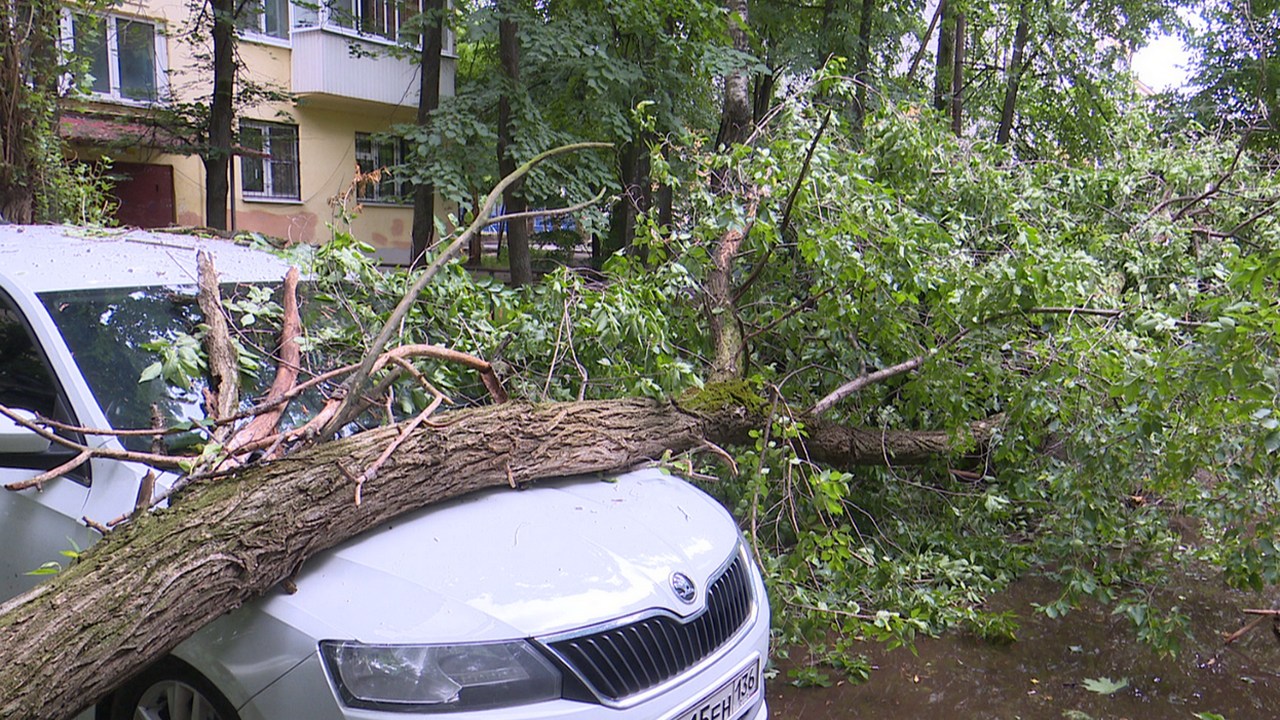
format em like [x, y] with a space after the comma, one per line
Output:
[170, 690]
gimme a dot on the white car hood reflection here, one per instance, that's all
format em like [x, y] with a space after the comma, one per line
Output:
[502, 564]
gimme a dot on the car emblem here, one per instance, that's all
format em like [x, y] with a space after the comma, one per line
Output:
[684, 588]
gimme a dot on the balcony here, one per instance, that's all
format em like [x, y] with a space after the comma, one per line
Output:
[334, 65]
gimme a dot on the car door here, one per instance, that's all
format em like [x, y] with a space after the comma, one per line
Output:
[36, 524]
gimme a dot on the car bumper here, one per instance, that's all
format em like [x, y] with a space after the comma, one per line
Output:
[305, 691]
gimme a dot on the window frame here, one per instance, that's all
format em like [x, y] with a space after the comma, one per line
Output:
[256, 32]
[268, 173]
[335, 19]
[373, 194]
[111, 26]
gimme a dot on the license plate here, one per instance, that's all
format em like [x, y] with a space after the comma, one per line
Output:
[729, 699]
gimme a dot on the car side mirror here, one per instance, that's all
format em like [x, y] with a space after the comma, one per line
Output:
[17, 439]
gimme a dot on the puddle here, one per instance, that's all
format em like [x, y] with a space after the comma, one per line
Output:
[1043, 675]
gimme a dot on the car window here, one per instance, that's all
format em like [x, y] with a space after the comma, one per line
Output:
[27, 383]
[117, 334]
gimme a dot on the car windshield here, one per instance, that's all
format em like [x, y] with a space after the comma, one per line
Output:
[117, 335]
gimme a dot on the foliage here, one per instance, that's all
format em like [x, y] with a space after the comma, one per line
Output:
[1103, 294]
[36, 182]
[1116, 316]
[585, 66]
[1237, 81]
[75, 193]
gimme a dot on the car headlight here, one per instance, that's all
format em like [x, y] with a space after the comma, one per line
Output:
[440, 678]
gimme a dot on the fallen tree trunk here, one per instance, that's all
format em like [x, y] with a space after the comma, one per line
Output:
[155, 581]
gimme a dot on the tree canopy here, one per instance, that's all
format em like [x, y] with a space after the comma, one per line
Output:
[960, 224]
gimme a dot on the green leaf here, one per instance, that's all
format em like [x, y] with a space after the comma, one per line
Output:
[1272, 441]
[1105, 686]
[49, 568]
[150, 372]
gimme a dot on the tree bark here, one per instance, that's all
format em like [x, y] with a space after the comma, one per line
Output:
[762, 96]
[217, 156]
[29, 74]
[71, 640]
[633, 169]
[728, 346]
[735, 115]
[1013, 76]
[424, 195]
[521, 264]
[942, 76]
[862, 62]
[957, 77]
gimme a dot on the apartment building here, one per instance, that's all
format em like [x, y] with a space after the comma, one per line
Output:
[294, 156]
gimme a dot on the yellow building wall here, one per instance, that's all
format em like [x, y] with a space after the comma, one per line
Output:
[326, 145]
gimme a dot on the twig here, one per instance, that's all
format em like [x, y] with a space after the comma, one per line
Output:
[786, 213]
[1217, 185]
[717, 450]
[1232, 637]
[862, 381]
[359, 481]
[847, 389]
[546, 212]
[1252, 218]
[94, 525]
[146, 490]
[834, 611]
[38, 481]
[372, 471]
[152, 459]
[806, 304]
[924, 42]
[804, 170]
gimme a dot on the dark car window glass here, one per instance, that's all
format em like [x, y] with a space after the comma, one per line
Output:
[25, 380]
[27, 383]
[112, 333]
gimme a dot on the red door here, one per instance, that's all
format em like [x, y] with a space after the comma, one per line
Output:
[145, 193]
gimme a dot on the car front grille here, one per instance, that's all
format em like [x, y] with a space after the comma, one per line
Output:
[625, 660]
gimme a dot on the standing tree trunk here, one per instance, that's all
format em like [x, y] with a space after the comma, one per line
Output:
[762, 95]
[1013, 76]
[29, 73]
[217, 156]
[945, 57]
[424, 195]
[521, 263]
[862, 63]
[633, 170]
[957, 78]
[735, 115]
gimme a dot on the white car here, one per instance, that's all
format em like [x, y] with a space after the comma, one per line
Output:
[627, 599]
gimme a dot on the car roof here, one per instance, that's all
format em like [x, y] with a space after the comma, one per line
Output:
[45, 258]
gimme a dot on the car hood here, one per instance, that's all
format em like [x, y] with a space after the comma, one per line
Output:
[501, 564]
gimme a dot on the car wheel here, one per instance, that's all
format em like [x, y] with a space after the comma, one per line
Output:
[170, 690]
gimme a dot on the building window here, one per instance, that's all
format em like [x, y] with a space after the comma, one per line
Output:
[120, 58]
[269, 18]
[382, 18]
[385, 155]
[269, 162]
